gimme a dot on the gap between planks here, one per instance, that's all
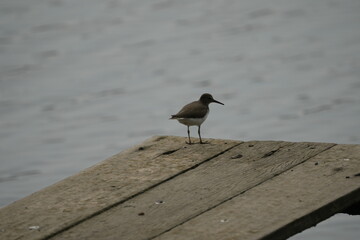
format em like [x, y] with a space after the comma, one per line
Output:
[140, 192]
[230, 198]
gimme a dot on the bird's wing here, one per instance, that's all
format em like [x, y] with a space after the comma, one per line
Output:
[192, 110]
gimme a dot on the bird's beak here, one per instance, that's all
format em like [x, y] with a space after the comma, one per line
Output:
[217, 102]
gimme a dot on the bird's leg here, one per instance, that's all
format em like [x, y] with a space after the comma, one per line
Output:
[188, 131]
[201, 142]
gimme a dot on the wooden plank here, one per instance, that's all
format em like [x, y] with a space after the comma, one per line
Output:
[111, 182]
[284, 205]
[192, 193]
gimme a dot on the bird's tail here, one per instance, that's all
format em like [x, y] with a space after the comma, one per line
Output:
[173, 117]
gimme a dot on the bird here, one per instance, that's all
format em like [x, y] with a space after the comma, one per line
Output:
[195, 113]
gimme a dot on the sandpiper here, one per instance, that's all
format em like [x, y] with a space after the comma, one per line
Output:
[195, 113]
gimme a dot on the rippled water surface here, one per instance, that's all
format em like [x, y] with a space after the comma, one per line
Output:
[81, 80]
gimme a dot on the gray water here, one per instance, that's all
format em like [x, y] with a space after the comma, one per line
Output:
[81, 80]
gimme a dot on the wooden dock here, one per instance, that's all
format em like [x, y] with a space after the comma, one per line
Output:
[166, 189]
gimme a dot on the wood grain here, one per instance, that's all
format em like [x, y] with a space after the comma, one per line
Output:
[195, 192]
[98, 188]
[286, 204]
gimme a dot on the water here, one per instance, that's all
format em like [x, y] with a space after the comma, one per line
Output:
[82, 80]
[340, 226]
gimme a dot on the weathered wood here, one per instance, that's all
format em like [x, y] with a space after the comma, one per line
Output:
[284, 205]
[192, 193]
[165, 189]
[111, 182]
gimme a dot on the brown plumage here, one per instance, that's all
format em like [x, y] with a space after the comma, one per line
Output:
[192, 110]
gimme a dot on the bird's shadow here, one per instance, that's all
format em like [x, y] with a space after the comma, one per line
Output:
[192, 143]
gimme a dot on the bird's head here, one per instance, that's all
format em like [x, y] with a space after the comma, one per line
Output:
[206, 98]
